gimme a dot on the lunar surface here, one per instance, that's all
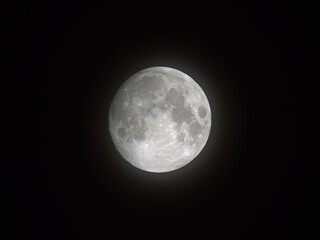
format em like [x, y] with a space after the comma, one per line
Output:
[159, 119]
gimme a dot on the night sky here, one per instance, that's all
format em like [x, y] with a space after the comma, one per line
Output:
[63, 62]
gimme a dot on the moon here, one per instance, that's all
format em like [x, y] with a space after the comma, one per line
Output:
[159, 119]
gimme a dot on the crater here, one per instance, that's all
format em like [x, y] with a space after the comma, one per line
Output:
[202, 112]
[122, 132]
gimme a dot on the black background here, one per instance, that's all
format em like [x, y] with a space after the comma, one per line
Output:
[63, 63]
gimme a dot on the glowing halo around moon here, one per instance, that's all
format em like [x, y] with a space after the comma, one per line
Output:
[159, 119]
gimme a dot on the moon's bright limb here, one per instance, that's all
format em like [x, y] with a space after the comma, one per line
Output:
[159, 119]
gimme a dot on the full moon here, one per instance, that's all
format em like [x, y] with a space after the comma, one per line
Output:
[159, 119]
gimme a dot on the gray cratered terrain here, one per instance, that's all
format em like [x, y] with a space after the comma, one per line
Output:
[159, 119]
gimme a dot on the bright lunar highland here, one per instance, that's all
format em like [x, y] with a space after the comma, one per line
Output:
[159, 119]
